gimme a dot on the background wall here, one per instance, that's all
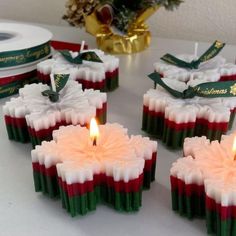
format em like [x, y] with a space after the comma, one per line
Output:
[201, 20]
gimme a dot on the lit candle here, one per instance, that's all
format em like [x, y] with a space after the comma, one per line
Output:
[94, 131]
[124, 165]
[196, 50]
[234, 148]
[208, 167]
[53, 82]
[82, 46]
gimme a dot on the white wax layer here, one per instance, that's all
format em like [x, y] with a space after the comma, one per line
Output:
[89, 71]
[211, 70]
[74, 106]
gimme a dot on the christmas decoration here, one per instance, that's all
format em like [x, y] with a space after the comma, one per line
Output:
[118, 25]
[77, 10]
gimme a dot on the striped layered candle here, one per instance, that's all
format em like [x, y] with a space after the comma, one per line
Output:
[216, 69]
[203, 183]
[33, 117]
[82, 174]
[100, 76]
[172, 119]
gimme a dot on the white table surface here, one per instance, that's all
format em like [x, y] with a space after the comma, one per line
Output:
[24, 212]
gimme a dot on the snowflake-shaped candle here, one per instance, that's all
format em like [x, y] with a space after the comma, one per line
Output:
[102, 76]
[34, 116]
[173, 118]
[85, 170]
[210, 68]
[203, 183]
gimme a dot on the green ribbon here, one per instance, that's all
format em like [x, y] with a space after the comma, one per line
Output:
[208, 90]
[82, 56]
[24, 56]
[12, 88]
[215, 48]
[60, 82]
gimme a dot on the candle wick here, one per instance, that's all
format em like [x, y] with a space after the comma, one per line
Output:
[95, 141]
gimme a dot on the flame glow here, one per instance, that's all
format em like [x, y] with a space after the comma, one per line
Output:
[93, 130]
[234, 148]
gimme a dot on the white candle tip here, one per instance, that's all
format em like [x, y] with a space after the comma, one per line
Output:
[53, 85]
[196, 50]
[82, 46]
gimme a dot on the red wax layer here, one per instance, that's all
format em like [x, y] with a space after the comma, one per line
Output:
[101, 111]
[225, 212]
[153, 113]
[101, 179]
[149, 163]
[86, 84]
[51, 171]
[186, 189]
[44, 78]
[223, 126]
[227, 77]
[14, 121]
[112, 74]
[120, 186]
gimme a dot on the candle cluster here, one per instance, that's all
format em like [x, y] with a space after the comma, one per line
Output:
[102, 76]
[203, 183]
[173, 119]
[32, 116]
[83, 173]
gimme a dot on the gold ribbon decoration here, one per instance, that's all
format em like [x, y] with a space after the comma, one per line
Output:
[137, 39]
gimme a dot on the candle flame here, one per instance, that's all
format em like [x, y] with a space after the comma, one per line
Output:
[234, 148]
[93, 130]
